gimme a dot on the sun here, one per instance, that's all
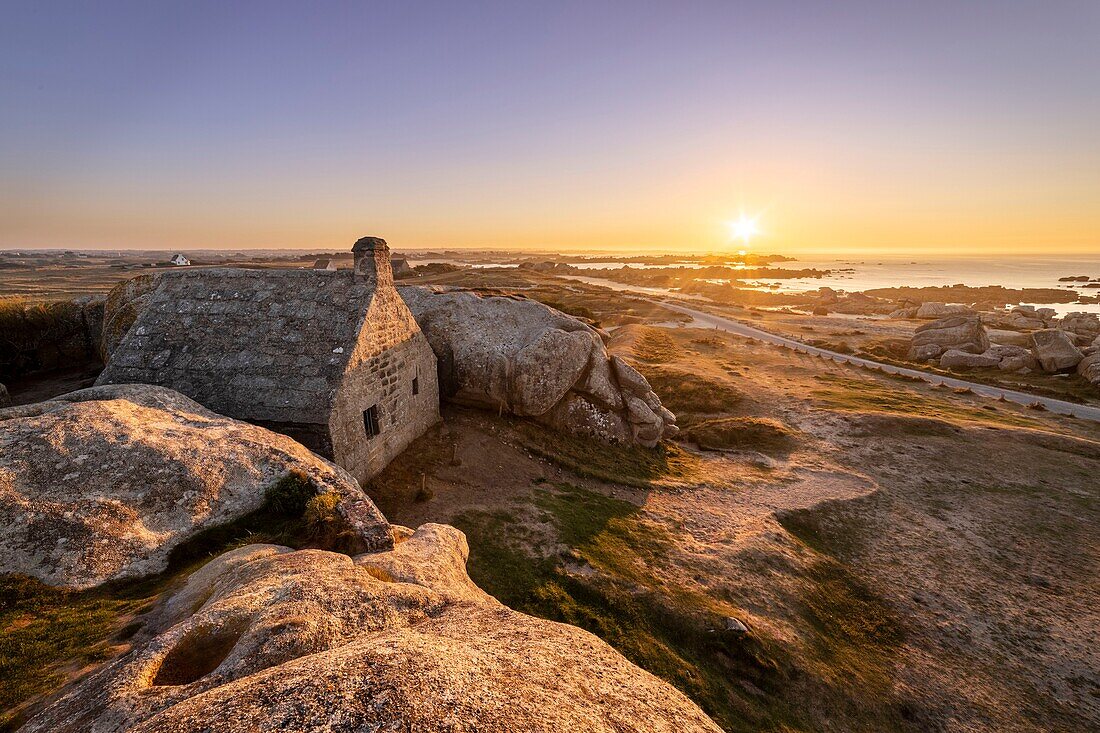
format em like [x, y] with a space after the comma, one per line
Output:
[744, 228]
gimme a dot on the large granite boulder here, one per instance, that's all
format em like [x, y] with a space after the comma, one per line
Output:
[1089, 368]
[963, 333]
[1055, 350]
[101, 484]
[1005, 337]
[933, 311]
[956, 359]
[264, 638]
[123, 304]
[1013, 321]
[1086, 326]
[518, 356]
[1013, 358]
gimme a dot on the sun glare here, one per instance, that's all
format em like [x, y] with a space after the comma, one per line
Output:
[744, 228]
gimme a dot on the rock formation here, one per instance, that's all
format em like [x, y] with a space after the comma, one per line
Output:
[519, 356]
[507, 354]
[956, 359]
[1089, 368]
[1005, 358]
[1084, 326]
[101, 484]
[265, 638]
[125, 301]
[963, 333]
[935, 311]
[1054, 350]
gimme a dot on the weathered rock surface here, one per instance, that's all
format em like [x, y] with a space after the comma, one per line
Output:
[1054, 350]
[125, 301]
[963, 333]
[101, 484]
[860, 304]
[519, 356]
[1013, 358]
[935, 311]
[1089, 368]
[1084, 325]
[266, 638]
[1013, 321]
[1006, 337]
[955, 359]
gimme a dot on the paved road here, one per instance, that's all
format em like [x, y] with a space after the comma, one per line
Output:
[742, 329]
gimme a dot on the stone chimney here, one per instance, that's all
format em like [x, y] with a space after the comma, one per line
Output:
[372, 260]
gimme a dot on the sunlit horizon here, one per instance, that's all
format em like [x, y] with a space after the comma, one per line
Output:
[857, 129]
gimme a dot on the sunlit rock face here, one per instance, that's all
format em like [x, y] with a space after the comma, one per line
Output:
[101, 484]
[266, 638]
[518, 356]
[962, 333]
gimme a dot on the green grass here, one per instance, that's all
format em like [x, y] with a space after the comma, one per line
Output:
[647, 624]
[846, 393]
[742, 433]
[688, 394]
[49, 634]
[627, 465]
[747, 682]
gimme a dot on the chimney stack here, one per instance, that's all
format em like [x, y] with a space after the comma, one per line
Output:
[372, 260]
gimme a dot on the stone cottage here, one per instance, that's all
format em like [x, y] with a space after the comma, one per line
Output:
[332, 358]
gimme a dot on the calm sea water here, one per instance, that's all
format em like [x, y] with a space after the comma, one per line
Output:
[858, 274]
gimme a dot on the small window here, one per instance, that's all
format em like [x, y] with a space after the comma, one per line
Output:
[416, 386]
[370, 421]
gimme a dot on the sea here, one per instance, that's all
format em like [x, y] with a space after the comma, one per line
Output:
[853, 274]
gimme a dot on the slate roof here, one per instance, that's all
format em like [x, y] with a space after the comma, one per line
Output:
[267, 345]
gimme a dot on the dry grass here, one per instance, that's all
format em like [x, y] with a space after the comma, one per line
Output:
[742, 433]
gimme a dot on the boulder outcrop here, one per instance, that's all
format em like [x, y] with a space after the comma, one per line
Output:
[1013, 358]
[1089, 368]
[518, 356]
[963, 333]
[123, 304]
[267, 638]
[101, 484]
[1085, 326]
[1054, 349]
[956, 359]
[935, 311]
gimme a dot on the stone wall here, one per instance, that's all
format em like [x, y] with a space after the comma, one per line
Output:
[390, 354]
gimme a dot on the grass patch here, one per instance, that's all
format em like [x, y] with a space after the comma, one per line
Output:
[742, 433]
[676, 637]
[48, 635]
[688, 394]
[628, 465]
[654, 345]
[848, 394]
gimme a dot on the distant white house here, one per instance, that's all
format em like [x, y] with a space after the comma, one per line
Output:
[324, 265]
[180, 260]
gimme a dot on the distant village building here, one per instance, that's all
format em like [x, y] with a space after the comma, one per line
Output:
[324, 265]
[400, 266]
[332, 358]
[180, 260]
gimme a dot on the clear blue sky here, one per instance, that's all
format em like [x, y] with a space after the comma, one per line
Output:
[884, 125]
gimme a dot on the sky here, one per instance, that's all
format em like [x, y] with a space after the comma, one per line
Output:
[886, 127]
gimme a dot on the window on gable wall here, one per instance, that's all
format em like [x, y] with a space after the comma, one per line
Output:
[370, 421]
